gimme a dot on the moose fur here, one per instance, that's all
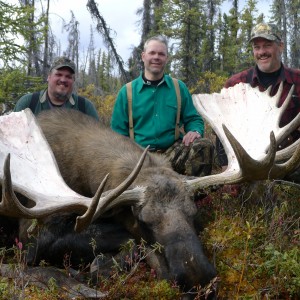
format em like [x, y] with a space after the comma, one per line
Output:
[85, 152]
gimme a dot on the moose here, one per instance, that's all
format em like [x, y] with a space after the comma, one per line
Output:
[55, 170]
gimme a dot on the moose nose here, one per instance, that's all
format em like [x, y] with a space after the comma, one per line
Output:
[189, 266]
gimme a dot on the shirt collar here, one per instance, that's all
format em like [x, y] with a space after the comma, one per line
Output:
[44, 97]
[166, 80]
[282, 76]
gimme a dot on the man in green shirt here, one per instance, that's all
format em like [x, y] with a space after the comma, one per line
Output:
[154, 114]
[59, 93]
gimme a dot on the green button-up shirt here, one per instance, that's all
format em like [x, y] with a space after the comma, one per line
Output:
[43, 104]
[154, 110]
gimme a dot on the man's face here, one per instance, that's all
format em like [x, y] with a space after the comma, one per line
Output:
[155, 58]
[267, 54]
[60, 83]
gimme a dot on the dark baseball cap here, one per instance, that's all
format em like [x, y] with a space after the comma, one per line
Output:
[63, 62]
[267, 31]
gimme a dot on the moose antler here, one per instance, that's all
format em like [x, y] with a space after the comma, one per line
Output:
[31, 170]
[245, 119]
[247, 123]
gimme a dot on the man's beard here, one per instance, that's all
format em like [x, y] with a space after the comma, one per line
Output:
[62, 96]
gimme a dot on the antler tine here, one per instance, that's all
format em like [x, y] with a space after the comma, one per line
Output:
[83, 221]
[10, 204]
[287, 99]
[280, 170]
[287, 152]
[250, 168]
[278, 94]
[284, 133]
[245, 168]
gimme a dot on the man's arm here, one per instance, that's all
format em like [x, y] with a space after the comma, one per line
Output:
[23, 102]
[190, 118]
[91, 109]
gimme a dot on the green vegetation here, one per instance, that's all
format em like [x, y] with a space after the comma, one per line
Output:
[254, 238]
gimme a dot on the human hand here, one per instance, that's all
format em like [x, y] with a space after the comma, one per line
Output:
[190, 136]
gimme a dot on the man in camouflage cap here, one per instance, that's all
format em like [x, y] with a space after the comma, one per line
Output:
[267, 31]
[59, 93]
[269, 72]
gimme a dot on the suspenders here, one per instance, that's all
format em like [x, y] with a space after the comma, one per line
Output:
[129, 99]
[177, 89]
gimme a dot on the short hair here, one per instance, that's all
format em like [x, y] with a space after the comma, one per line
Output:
[159, 38]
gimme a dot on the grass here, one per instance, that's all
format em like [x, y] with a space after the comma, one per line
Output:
[254, 241]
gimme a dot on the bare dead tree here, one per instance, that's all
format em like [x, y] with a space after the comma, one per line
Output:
[105, 31]
[73, 38]
[135, 61]
[146, 21]
[46, 44]
[92, 60]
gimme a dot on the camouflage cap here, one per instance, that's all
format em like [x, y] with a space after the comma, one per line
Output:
[61, 62]
[265, 30]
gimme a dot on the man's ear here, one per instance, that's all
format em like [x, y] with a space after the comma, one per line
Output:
[281, 45]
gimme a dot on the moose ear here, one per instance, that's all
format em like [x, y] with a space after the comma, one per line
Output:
[26, 158]
[247, 123]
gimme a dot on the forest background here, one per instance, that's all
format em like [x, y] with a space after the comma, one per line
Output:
[206, 45]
